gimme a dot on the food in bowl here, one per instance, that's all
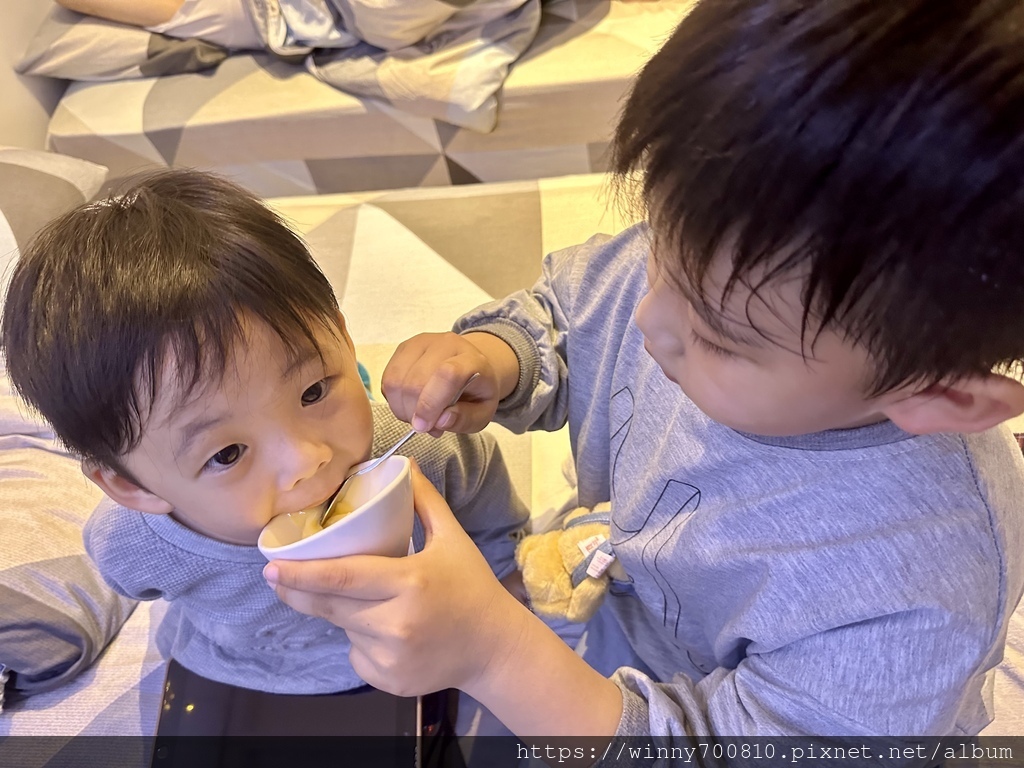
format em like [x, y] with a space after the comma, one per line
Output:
[309, 519]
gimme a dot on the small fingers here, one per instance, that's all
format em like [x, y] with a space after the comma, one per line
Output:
[360, 576]
[341, 611]
[437, 393]
[430, 365]
[431, 508]
[402, 378]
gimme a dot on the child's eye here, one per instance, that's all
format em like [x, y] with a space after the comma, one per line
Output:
[315, 393]
[710, 346]
[226, 457]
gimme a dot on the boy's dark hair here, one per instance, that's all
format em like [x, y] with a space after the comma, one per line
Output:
[108, 293]
[876, 144]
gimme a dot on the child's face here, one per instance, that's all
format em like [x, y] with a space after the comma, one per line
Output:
[274, 436]
[748, 382]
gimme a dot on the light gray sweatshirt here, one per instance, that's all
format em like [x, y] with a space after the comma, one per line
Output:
[226, 624]
[852, 582]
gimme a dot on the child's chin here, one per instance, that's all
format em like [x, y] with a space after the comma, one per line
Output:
[732, 421]
[246, 539]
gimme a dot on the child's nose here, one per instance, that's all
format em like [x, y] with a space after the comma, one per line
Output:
[302, 459]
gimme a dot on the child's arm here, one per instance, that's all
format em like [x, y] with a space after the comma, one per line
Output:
[132, 560]
[439, 619]
[427, 371]
[520, 345]
[139, 13]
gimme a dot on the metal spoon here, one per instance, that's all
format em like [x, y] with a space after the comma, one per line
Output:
[340, 493]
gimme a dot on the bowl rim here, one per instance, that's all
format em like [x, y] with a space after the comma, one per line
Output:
[354, 513]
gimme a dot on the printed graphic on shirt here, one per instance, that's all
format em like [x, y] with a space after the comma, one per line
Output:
[656, 527]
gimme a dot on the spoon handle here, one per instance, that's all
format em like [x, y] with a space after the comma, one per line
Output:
[376, 462]
[410, 433]
[386, 454]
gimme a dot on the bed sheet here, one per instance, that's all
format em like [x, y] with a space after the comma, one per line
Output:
[119, 695]
[280, 131]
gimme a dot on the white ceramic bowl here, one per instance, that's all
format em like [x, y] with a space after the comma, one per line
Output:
[380, 524]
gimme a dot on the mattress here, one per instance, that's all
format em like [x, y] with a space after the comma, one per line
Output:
[276, 129]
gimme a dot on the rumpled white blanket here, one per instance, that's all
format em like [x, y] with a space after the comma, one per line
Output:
[444, 59]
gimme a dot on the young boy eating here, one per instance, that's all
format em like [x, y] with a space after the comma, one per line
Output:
[181, 339]
[789, 383]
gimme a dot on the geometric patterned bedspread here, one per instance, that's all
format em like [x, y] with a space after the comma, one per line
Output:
[279, 131]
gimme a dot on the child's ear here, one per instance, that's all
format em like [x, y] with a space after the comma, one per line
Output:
[968, 405]
[124, 491]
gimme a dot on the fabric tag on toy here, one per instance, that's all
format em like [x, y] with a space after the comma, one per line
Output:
[599, 563]
[591, 543]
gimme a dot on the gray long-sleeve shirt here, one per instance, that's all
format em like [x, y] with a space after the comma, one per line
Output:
[226, 624]
[851, 582]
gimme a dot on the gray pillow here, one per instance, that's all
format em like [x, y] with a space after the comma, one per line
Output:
[56, 613]
[71, 46]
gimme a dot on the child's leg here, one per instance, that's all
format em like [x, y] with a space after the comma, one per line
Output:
[223, 22]
[139, 13]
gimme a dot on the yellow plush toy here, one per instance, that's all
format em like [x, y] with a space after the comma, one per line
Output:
[567, 571]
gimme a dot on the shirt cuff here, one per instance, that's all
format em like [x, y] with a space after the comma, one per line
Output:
[525, 350]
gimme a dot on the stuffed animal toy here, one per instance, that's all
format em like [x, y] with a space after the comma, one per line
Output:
[567, 571]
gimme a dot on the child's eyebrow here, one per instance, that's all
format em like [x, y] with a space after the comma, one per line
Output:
[725, 329]
[192, 430]
[299, 361]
